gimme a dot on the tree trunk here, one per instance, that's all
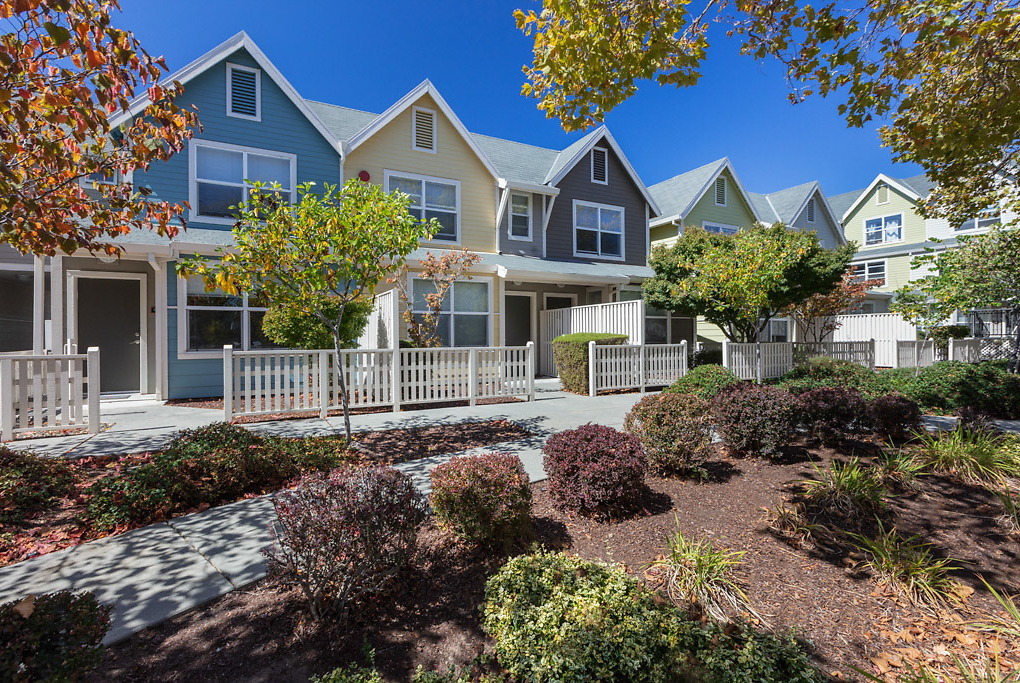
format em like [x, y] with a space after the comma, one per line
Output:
[342, 384]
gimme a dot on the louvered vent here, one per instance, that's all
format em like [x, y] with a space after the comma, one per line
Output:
[598, 166]
[811, 210]
[720, 191]
[244, 92]
[424, 130]
[882, 196]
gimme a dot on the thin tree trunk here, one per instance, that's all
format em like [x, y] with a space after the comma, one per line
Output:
[342, 384]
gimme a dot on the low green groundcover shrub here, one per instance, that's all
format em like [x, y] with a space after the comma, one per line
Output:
[555, 617]
[484, 499]
[570, 352]
[951, 385]
[754, 419]
[821, 371]
[704, 381]
[675, 431]
[30, 482]
[207, 466]
[51, 637]
[595, 470]
[833, 414]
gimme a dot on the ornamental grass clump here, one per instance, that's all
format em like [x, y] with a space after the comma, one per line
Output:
[910, 565]
[755, 419]
[833, 414]
[30, 482]
[483, 499]
[595, 470]
[846, 490]
[343, 536]
[675, 431]
[972, 454]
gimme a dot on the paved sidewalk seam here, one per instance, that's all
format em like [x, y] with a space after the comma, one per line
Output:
[194, 548]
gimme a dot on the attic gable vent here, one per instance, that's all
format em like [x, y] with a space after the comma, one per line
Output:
[244, 92]
[882, 194]
[811, 210]
[424, 130]
[720, 191]
[599, 161]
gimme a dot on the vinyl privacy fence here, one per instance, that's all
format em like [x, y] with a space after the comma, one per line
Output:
[48, 393]
[769, 360]
[634, 366]
[270, 382]
[621, 317]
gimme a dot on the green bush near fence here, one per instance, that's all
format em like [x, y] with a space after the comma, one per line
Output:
[570, 352]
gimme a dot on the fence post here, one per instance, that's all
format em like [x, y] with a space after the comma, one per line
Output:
[591, 368]
[726, 354]
[874, 354]
[6, 399]
[395, 388]
[683, 357]
[472, 376]
[952, 355]
[94, 369]
[324, 384]
[757, 362]
[642, 375]
[530, 365]
[228, 382]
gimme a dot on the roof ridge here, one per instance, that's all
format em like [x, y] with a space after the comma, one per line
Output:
[696, 168]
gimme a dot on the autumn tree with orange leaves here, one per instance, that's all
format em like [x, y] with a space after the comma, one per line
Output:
[65, 71]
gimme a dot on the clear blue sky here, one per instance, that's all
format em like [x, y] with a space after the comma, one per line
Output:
[368, 54]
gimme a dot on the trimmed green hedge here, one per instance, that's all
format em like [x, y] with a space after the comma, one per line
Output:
[570, 351]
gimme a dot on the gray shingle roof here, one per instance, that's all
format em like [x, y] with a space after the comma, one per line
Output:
[920, 184]
[674, 195]
[564, 157]
[841, 202]
[341, 121]
[763, 207]
[786, 202]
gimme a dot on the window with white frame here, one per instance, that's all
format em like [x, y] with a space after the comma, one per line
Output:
[464, 315]
[777, 330]
[430, 198]
[721, 228]
[869, 270]
[222, 176]
[214, 319]
[986, 219]
[520, 216]
[883, 229]
[598, 230]
[720, 191]
[599, 166]
[244, 92]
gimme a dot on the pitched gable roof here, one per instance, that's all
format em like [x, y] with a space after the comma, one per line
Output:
[786, 206]
[841, 202]
[678, 195]
[517, 161]
[239, 41]
[916, 187]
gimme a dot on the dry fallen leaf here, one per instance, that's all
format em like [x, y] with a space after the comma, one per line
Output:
[26, 606]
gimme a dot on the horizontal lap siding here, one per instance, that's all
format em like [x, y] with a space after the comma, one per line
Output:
[914, 233]
[621, 191]
[736, 212]
[828, 232]
[532, 247]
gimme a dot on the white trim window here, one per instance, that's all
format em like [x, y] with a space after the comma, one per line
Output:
[600, 165]
[777, 330]
[207, 321]
[465, 316]
[437, 198]
[221, 176]
[520, 216]
[869, 270]
[984, 220]
[720, 191]
[721, 228]
[598, 230]
[423, 130]
[244, 92]
[883, 229]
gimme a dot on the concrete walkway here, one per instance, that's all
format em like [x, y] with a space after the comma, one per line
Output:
[155, 572]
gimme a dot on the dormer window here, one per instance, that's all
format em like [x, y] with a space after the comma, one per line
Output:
[244, 92]
[811, 210]
[423, 130]
[599, 164]
[720, 191]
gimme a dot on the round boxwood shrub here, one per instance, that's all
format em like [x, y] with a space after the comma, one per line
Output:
[755, 419]
[29, 481]
[704, 381]
[484, 499]
[894, 417]
[570, 352]
[675, 431]
[831, 414]
[594, 470]
[821, 371]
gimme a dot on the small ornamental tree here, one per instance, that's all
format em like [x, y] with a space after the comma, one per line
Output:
[439, 274]
[817, 316]
[295, 329]
[739, 282]
[316, 256]
[66, 74]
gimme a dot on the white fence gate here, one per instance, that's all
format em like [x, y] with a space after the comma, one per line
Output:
[915, 354]
[769, 360]
[622, 317]
[269, 382]
[613, 367]
[885, 328]
[46, 393]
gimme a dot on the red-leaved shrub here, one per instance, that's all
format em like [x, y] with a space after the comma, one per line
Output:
[894, 417]
[594, 470]
[754, 419]
[832, 414]
[484, 499]
[675, 431]
[342, 536]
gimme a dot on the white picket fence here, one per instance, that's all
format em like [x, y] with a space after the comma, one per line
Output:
[621, 317]
[278, 381]
[768, 360]
[613, 367]
[47, 393]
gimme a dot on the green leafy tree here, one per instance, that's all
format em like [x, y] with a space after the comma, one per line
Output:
[317, 256]
[943, 74]
[741, 281]
[298, 329]
[982, 272]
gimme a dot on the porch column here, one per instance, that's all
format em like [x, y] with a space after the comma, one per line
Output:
[159, 269]
[38, 305]
[57, 304]
[501, 303]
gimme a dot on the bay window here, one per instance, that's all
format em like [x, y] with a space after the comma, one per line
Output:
[436, 198]
[598, 230]
[464, 314]
[222, 176]
[884, 229]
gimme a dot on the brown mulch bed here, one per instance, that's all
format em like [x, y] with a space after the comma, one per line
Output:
[64, 524]
[217, 404]
[432, 618]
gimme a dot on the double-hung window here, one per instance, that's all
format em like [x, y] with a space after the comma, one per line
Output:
[869, 270]
[430, 198]
[464, 314]
[211, 320]
[986, 219]
[222, 176]
[884, 229]
[520, 216]
[598, 230]
[720, 228]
